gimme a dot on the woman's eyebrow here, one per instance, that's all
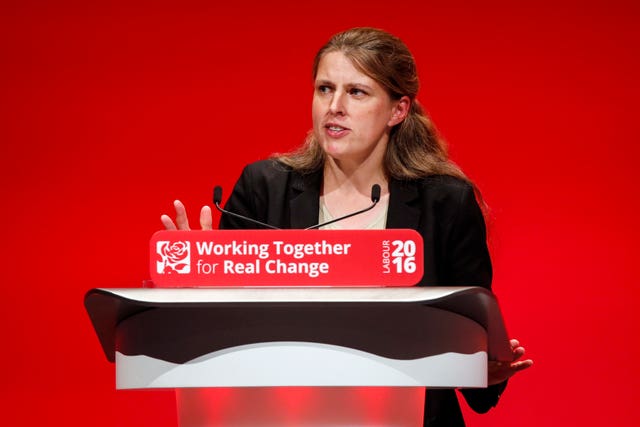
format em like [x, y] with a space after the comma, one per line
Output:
[325, 82]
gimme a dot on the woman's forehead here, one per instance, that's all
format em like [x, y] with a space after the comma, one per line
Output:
[336, 66]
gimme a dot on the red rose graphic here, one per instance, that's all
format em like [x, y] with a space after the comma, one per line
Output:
[174, 255]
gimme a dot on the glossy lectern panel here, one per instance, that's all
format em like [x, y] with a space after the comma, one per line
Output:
[435, 337]
[323, 343]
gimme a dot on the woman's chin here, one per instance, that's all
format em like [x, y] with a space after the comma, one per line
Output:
[334, 149]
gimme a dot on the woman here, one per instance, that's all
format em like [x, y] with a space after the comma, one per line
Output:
[368, 128]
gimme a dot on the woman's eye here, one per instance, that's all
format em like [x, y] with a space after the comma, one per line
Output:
[357, 92]
[323, 89]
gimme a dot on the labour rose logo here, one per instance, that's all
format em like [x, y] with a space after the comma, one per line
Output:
[176, 257]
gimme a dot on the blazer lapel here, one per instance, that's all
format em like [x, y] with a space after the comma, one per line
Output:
[403, 211]
[305, 200]
[304, 205]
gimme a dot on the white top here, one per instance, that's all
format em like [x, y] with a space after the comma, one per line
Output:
[379, 222]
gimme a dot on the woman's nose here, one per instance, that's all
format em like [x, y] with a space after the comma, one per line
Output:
[336, 105]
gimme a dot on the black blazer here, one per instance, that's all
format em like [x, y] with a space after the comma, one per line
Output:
[442, 209]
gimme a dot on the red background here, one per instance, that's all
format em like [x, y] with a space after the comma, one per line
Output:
[110, 110]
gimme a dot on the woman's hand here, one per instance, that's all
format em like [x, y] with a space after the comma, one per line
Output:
[502, 371]
[182, 222]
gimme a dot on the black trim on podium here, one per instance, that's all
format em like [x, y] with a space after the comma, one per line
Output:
[181, 324]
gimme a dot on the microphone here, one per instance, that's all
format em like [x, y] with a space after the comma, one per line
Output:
[217, 198]
[375, 198]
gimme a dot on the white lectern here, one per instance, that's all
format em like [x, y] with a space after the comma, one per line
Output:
[247, 341]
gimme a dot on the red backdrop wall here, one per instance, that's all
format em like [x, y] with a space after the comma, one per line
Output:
[110, 110]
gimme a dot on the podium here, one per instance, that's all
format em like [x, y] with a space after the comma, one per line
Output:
[248, 341]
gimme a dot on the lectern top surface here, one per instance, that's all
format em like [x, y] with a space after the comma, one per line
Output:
[289, 294]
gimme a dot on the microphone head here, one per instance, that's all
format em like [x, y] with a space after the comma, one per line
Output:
[375, 193]
[217, 195]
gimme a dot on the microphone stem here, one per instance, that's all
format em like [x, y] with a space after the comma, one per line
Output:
[245, 218]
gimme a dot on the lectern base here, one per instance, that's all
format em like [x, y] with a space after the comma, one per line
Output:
[301, 407]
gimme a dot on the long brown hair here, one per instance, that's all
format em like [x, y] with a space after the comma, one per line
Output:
[415, 149]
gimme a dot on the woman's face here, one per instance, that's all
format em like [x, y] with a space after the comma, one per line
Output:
[352, 113]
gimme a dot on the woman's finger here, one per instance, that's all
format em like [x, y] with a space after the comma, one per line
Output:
[181, 216]
[206, 220]
[167, 222]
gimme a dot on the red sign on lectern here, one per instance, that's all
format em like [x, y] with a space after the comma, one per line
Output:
[216, 258]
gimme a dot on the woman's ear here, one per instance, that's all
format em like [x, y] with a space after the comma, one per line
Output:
[400, 111]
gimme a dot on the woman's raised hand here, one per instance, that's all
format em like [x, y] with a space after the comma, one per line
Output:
[182, 222]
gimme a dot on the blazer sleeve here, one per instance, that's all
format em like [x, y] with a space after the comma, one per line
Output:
[469, 263]
[242, 202]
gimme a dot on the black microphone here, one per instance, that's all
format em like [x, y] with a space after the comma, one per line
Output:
[217, 198]
[375, 198]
